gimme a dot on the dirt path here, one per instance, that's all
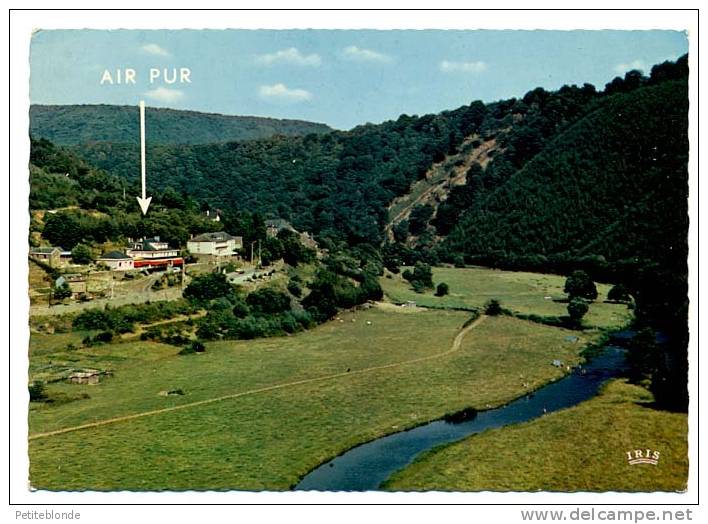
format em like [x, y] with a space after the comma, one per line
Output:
[456, 344]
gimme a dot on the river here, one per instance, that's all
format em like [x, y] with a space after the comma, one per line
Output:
[367, 466]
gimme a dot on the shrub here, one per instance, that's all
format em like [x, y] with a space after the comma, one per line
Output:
[63, 291]
[294, 288]
[618, 293]
[240, 309]
[103, 337]
[268, 301]
[418, 286]
[196, 346]
[577, 308]
[493, 307]
[421, 278]
[92, 319]
[37, 392]
[81, 254]
[442, 290]
[208, 287]
[579, 285]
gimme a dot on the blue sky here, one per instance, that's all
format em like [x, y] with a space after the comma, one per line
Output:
[339, 77]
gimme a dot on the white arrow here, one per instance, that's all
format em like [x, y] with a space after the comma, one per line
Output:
[144, 201]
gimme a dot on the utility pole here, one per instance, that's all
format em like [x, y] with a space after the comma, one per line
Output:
[252, 253]
[259, 252]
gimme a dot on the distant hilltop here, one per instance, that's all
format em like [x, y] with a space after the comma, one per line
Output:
[80, 124]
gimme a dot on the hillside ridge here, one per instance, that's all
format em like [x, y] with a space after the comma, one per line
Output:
[85, 123]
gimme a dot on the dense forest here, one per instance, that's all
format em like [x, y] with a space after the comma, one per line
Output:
[338, 184]
[77, 124]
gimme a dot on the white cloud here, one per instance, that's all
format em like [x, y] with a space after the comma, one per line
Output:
[358, 54]
[163, 94]
[281, 92]
[289, 56]
[449, 66]
[154, 49]
[636, 64]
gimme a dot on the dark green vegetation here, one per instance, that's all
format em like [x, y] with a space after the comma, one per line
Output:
[612, 180]
[77, 124]
[421, 278]
[92, 207]
[579, 285]
[336, 184]
[582, 448]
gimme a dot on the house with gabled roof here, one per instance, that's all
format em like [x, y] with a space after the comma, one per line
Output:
[117, 261]
[218, 243]
[151, 248]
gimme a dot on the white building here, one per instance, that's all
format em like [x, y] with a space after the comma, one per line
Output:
[117, 261]
[220, 244]
[151, 248]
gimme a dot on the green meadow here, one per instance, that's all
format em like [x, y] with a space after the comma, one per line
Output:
[370, 373]
[518, 291]
[582, 448]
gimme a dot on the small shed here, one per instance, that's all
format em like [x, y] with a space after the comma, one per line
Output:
[87, 376]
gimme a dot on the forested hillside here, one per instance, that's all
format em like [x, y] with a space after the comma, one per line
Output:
[340, 184]
[337, 184]
[607, 185]
[76, 124]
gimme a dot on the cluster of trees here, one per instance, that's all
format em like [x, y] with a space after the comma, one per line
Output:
[286, 246]
[231, 315]
[421, 278]
[347, 277]
[122, 319]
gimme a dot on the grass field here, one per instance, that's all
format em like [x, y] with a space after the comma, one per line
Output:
[582, 448]
[518, 291]
[269, 439]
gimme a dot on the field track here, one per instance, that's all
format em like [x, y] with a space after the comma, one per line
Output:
[456, 344]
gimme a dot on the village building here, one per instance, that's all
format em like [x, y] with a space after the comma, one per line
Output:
[151, 248]
[215, 218]
[276, 225]
[53, 256]
[153, 253]
[117, 261]
[77, 282]
[218, 244]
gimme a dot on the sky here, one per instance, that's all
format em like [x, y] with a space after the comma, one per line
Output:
[339, 77]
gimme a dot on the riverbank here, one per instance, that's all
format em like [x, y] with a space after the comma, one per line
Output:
[582, 448]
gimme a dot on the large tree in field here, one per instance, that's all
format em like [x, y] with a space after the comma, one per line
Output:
[577, 308]
[579, 285]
